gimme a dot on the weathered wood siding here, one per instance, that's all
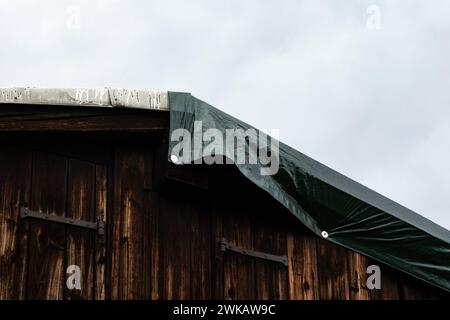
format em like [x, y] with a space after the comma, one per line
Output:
[161, 239]
[35, 253]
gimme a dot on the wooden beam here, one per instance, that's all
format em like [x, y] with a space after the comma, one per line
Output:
[79, 119]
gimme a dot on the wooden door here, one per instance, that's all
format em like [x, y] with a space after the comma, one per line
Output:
[35, 254]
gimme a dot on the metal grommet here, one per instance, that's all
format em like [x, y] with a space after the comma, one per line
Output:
[174, 159]
[325, 234]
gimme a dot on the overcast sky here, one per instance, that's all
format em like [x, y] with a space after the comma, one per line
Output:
[361, 86]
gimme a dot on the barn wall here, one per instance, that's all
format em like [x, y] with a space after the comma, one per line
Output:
[162, 234]
[317, 269]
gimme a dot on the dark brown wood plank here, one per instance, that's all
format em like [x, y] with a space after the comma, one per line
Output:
[80, 242]
[175, 250]
[89, 151]
[116, 240]
[271, 277]
[101, 209]
[200, 246]
[193, 175]
[357, 269]
[390, 289]
[151, 246]
[82, 120]
[217, 256]
[239, 271]
[112, 239]
[150, 250]
[414, 289]
[15, 177]
[333, 271]
[129, 204]
[231, 206]
[166, 172]
[47, 240]
[302, 268]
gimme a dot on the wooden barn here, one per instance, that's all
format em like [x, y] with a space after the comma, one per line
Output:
[86, 180]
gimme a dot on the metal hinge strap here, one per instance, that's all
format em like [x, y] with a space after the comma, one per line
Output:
[224, 246]
[99, 226]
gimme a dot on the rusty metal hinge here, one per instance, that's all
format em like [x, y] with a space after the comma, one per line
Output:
[224, 246]
[99, 226]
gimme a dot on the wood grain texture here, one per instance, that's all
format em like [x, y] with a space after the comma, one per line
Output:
[161, 243]
[414, 289]
[247, 221]
[239, 270]
[357, 269]
[114, 231]
[175, 248]
[271, 278]
[333, 271]
[80, 242]
[151, 246]
[201, 244]
[101, 209]
[216, 256]
[47, 240]
[15, 173]
[390, 286]
[233, 205]
[129, 204]
[302, 267]
[150, 250]
[71, 119]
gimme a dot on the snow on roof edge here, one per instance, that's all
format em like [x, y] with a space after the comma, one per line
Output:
[94, 97]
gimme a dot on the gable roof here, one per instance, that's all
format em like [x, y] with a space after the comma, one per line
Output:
[351, 214]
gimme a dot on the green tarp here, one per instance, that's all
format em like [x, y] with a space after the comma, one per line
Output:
[352, 215]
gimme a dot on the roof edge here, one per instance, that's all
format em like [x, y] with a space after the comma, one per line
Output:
[94, 97]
